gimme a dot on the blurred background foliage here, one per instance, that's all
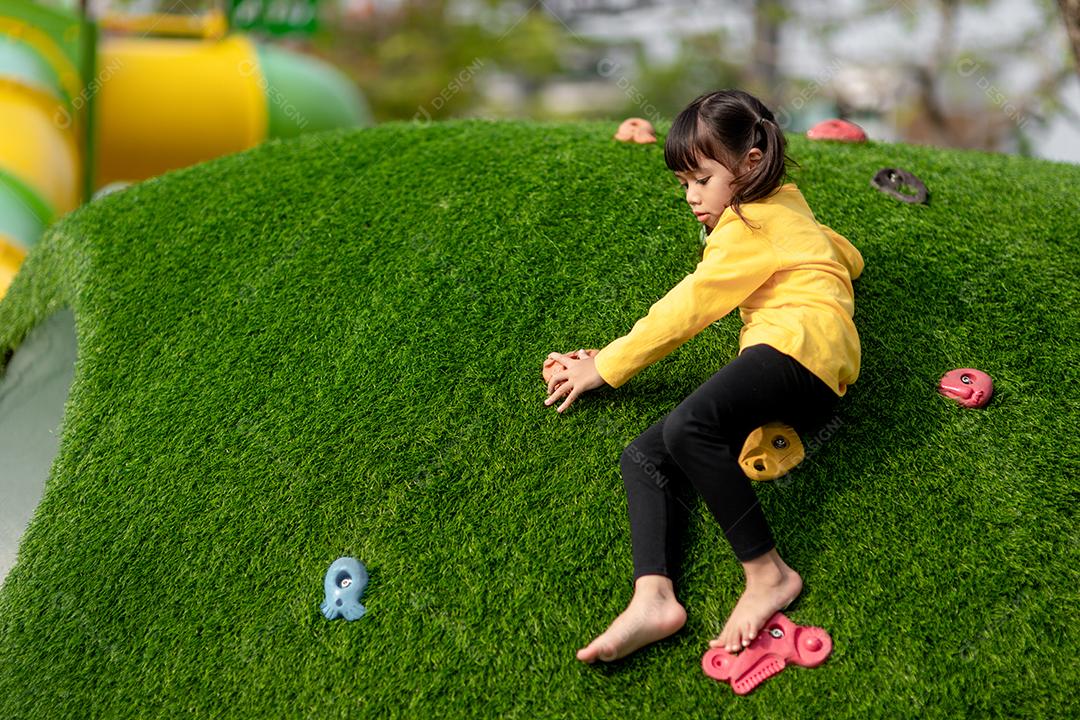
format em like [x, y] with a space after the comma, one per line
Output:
[984, 74]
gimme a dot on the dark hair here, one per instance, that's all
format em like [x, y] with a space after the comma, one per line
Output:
[724, 125]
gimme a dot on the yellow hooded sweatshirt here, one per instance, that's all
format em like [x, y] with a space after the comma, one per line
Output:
[790, 277]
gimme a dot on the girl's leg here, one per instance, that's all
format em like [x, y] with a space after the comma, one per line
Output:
[657, 503]
[657, 511]
[704, 435]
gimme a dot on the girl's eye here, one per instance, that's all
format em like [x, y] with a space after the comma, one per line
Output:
[703, 180]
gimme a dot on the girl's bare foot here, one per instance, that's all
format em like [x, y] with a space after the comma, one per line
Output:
[653, 613]
[770, 586]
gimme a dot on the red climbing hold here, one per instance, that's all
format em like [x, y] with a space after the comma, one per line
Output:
[970, 387]
[779, 644]
[837, 130]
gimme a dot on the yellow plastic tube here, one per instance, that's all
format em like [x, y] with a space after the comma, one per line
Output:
[38, 145]
[11, 257]
[212, 25]
[169, 103]
[41, 128]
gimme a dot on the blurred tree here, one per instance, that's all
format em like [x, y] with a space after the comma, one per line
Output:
[958, 99]
[764, 78]
[699, 66]
[948, 77]
[420, 62]
[429, 59]
[1070, 13]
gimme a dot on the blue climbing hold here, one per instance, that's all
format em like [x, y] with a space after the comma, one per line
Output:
[344, 584]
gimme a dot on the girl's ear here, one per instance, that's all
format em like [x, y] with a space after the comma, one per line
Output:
[753, 157]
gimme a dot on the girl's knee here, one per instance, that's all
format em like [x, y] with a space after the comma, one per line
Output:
[631, 458]
[683, 426]
[636, 465]
[675, 430]
[684, 434]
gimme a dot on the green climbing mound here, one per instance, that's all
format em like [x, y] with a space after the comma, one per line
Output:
[332, 345]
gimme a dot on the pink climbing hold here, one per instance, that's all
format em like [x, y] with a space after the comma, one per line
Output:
[837, 130]
[636, 130]
[970, 387]
[780, 642]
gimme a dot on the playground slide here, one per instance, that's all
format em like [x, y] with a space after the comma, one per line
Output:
[40, 159]
[158, 104]
[169, 103]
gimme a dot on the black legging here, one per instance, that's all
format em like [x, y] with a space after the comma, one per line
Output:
[699, 443]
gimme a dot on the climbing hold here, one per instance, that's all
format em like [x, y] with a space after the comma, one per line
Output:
[969, 387]
[780, 643]
[636, 130]
[835, 129]
[893, 181]
[344, 584]
[771, 451]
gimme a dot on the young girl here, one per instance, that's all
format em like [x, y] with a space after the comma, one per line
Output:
[791, 278]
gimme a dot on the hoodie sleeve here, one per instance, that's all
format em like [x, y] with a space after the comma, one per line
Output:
[849, 255]
[734, 265]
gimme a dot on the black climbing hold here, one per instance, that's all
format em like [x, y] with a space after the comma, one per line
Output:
[891, 181]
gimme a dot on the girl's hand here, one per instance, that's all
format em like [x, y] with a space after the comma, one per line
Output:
[580, 375]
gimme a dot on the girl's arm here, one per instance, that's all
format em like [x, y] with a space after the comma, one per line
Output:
[849, 255]
[734, 265]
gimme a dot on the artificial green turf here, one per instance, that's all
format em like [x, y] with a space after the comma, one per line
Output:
[331, 346]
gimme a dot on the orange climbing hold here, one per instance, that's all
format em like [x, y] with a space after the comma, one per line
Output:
[636, 130]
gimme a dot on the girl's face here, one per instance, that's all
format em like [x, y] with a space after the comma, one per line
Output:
[708, 187]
